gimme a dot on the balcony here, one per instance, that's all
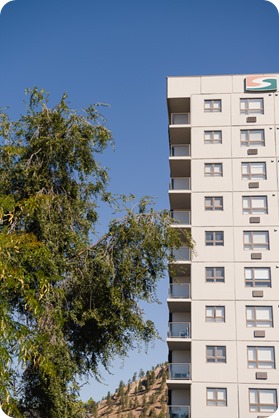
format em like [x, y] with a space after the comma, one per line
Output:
[182, 255]
[179, 193]
[179, 297]
[181, 217]
[180, 151]
[179, 330]
[179, 412]
[180, 183]
[179, 371]
[179, 291]
[180, 119]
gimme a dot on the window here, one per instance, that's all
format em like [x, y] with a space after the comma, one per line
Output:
[215, 274]
[213, 203]
[213, 137]
[215, 354]
[216, 396]
[214, 238]
[215, 313]
[256, 240]
[260, 357]
[213, 105]
[253, 171]
[259, 316]
[252, 137]
[254, 205]
[262, 400]
[213, 170]
[251, 106]
[257, 277]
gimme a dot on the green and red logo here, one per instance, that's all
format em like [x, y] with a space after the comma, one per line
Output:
[258, 83]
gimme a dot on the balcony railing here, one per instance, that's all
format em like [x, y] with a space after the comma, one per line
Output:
[181, 216]
[180, 183]
[179, 330]
[180, 151]
[179, 411]
[182, 254]
[180, 119]
[179, 290]
[179, 371]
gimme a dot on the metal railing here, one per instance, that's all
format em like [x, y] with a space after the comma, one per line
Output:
[180, 119]
[180, 151]
[179, 411]
[179, 290]
[181, 216]
[179, 330]
[182, 254]
[180, 183]
[179, 371]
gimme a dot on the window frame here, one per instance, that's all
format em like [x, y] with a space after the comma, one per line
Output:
[252, 283]
[249, 142]
[259, 323]
[247, 110]
[260, 364]
[215, 277]
[211, 107]
[215, 317]
[212, 140]
[216, 401]
[250, 210]
[215, 242]
[258, 406]
[253, 246]
[250, 175]
[213, 204]
[216, 358]
[213, 172]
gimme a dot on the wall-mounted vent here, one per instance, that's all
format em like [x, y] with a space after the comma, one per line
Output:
[259, 334]
[257, 294]
[256, 256]
[252, 151]
[254, 220]
[253, 185]
[261, 375]
[251, 119]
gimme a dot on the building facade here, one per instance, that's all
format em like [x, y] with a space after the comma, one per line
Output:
[223, 298]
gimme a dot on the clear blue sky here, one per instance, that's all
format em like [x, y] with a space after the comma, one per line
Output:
[120, 52]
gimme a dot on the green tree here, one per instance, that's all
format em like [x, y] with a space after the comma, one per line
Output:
[69, 301]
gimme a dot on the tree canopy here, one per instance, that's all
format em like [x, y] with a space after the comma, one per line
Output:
[69, 301]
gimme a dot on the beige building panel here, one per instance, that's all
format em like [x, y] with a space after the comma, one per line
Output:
[240, 199]
[220, 253]
[276, 102]
[202, 290]
[244, 292]
[244, 399]
[201, 410]
[214, 85]
[201, 118]
[268, 184]
[201, 149]
[239, 150]
[246, 374]
[200, 182]
[201, 216]
[247, 333]
[277, 140]
[183, 86]
[267, 255]
[213, 372]
[266, 118]
[202, 329]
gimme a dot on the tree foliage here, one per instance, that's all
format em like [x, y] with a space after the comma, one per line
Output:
[69, 301]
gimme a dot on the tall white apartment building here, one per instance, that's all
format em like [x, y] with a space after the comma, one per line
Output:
[223, 299]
